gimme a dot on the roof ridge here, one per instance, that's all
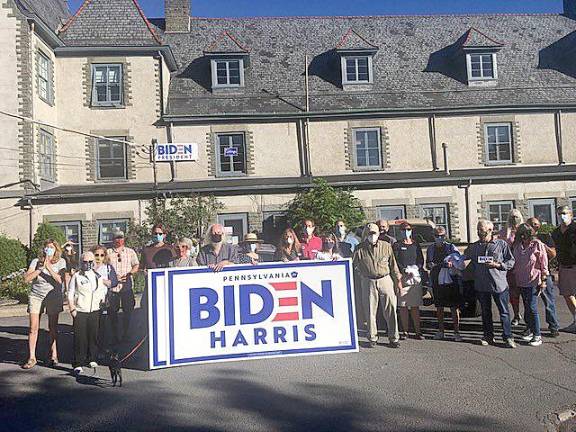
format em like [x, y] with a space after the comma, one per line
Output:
[73, 17]
[481, 33]
[347, 35]
[141, 12]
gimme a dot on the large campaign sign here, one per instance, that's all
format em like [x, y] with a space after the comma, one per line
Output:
[247, 311]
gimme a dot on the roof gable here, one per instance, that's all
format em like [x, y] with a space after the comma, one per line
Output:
[352, 41]
[226, 44]
[474, 38]
[109, 23]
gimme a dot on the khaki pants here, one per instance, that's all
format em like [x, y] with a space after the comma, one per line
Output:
[376, 290]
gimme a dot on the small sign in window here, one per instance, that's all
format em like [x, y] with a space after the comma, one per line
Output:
[231, 152]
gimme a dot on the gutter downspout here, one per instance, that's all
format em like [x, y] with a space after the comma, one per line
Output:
[559, 141]
[308, 171]
[432, 134]
[445, 152]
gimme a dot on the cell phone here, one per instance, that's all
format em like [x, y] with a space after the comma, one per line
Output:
[485, 259]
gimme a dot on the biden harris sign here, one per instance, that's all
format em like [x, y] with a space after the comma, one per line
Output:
[246, 311]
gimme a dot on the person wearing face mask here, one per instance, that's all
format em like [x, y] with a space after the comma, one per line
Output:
[86, 296]
[124, 261]
[289, 248]
[345, 247]
[508, 233]
[490, 259]
[248, 253]
[159, 253]
[530, 271]
[384, 228]
[329, 250]
[564, 237]
[440, 255]
[70, 256]
[548, 296]
[46, 274]
[411, 264]
[375, 263]
[311, 243]
[216, 252]
[187, 256]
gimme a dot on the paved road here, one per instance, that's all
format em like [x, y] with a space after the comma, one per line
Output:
[424, 386]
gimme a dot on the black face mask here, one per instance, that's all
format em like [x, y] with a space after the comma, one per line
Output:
[482, 235]
[86, 265]
[216, 238]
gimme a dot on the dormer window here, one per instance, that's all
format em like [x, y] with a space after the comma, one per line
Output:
[481, 66]
[357, 69]
[227, 73]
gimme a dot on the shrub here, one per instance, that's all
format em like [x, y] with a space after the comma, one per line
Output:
[46, 231]
[12, 256]
[15, 288]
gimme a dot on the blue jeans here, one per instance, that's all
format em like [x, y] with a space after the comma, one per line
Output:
[530, 297]
[501, 300]
[549, 300]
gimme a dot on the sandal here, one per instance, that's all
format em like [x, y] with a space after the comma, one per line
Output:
[29, 364]
[52, 363]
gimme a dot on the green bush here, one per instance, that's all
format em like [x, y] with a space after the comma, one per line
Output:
[46, 231]
[12, 256]
[16, 289]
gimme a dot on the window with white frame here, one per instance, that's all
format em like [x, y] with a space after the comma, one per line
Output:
[72, 231]
[44, 75]
[367, 149]
[498, 213]
[47, 156]
[106, 229]
[227, 73]
[231, 154]
[481, 66]
[111, 158]
[395, 212]
[357, 70]
[498, 138]
[543, 209]
[437, 213]
[107, 84]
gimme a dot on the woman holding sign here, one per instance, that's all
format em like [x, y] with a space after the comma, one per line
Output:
[46, 274]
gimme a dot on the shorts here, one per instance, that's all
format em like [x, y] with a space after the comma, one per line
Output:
[410, 296]
[567, 281]
[51, 304]
[448, 296]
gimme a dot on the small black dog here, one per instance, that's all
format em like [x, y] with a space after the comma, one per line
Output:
[115, 367]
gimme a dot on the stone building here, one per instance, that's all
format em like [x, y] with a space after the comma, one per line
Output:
[421, 115]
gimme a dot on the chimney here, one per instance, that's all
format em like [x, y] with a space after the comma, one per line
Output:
[570, 9]
[177, 13]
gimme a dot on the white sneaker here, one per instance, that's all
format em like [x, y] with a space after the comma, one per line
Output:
[457, 337]
[571, 328]
[93, 365]
[78, 370]
[527, 336]
[439, 336]
[536, 341]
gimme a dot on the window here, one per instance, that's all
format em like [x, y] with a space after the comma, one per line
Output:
[106, 230]
[357, 70]
[498, 213]
[437, 213]
[231, 152]
[367, 149]
[544, 210]
[235, 226]
[72, 231]
[47, 156]
[227, 73]
[45, 88]
[573, 205]
[391, 212]
[107, 85]
[111, 156]
[498, 143]
[481, 66]
[273, 225]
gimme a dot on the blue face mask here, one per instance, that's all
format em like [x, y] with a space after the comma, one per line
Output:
[48, 251]
[439, 239]
[158, 238]
[407, 234]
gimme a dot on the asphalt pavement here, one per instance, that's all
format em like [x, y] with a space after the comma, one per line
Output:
[423, 386]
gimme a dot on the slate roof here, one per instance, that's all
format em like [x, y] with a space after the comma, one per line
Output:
[109, 23]
[226, 43]
[53, 13]
[415, 67]
[353, 41]
[474, 39]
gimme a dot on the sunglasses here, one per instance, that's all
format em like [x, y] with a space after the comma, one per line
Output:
[99, 255]
[88, 262]
[156, 233]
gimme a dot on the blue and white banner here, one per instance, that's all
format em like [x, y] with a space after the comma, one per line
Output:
[246, 311]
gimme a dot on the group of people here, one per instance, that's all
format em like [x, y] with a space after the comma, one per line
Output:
[504, 267]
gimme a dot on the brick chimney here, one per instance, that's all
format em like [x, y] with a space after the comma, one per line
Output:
[570, 9]
[177, 13]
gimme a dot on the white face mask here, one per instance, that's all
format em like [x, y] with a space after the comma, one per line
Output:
[289, 240]
[310, 231]
[253, 247]
[342, 231]
[192, 251]
[566, 218]
[373, 238]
